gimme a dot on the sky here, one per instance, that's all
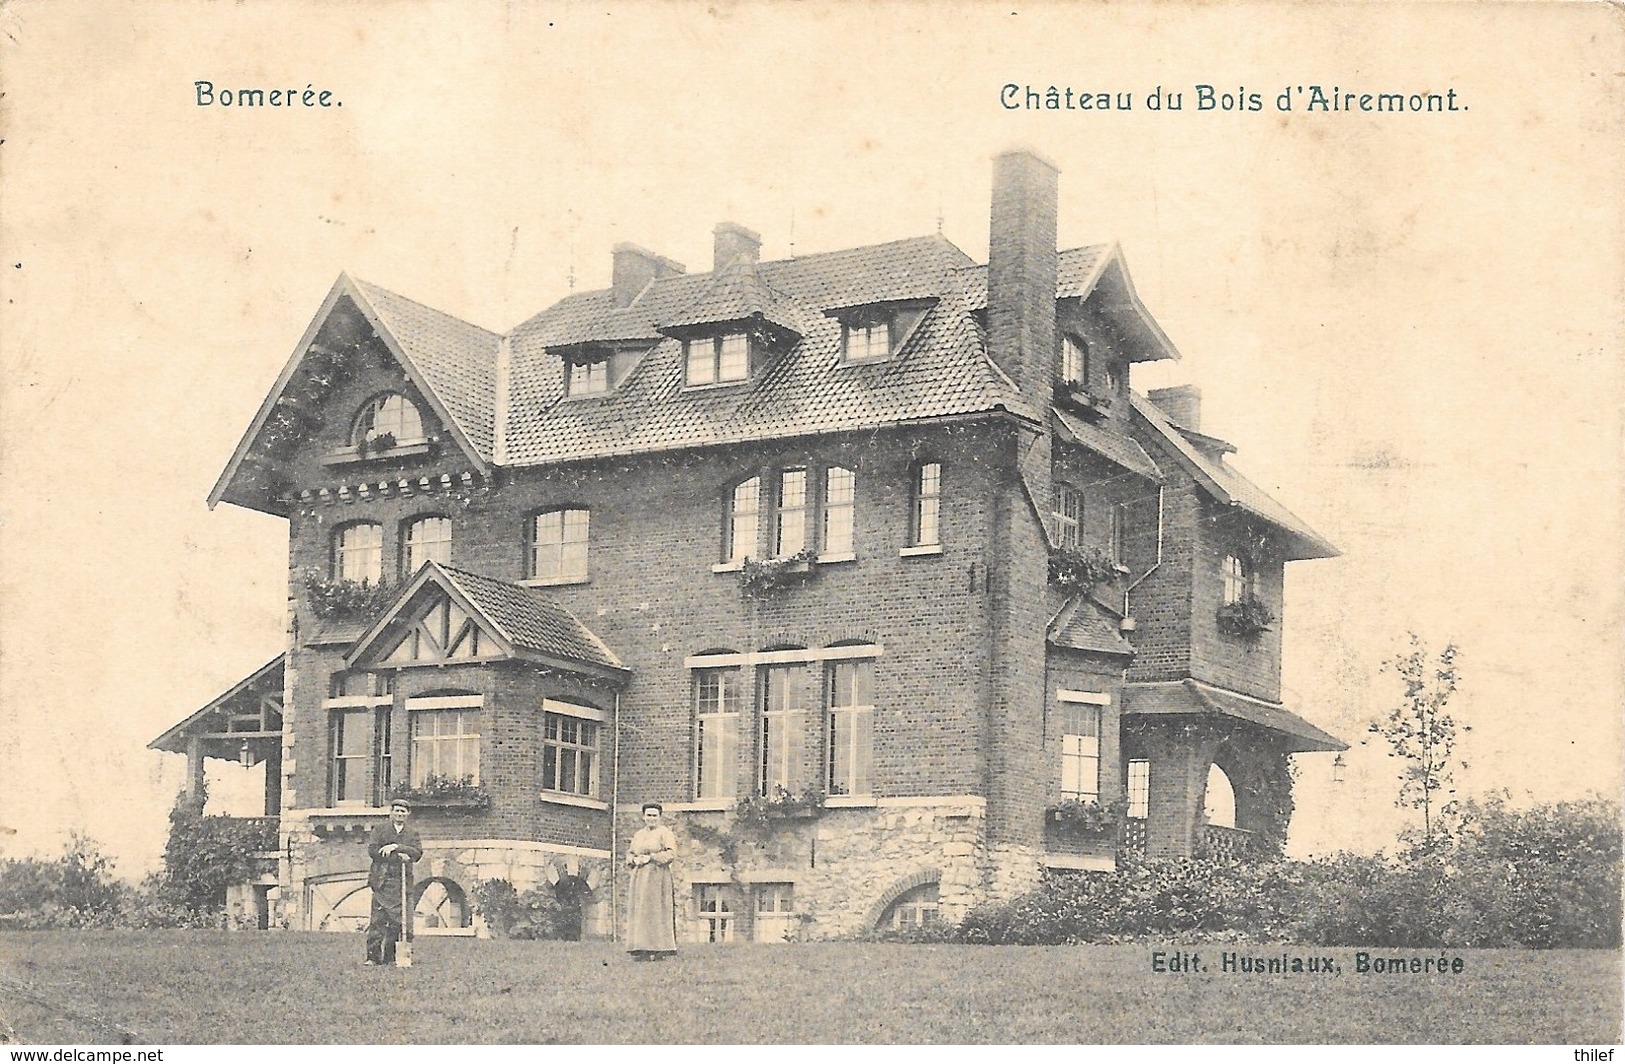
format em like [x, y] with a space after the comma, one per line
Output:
[1408, 323]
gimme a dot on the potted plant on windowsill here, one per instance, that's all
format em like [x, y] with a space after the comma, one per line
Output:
[1087, 817]
[1246, 618]
[460, 795]
[758, 812]
[378, 444]
[1078, 570]
[337, 599]
[758, 578]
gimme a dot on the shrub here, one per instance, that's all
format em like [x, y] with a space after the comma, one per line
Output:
[76, 889]
[207, 854]
[538, 913]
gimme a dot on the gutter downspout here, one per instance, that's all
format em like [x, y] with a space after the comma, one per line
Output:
[1157, 564]
[614, 806]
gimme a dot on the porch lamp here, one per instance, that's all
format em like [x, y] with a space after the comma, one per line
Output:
[1338, 764]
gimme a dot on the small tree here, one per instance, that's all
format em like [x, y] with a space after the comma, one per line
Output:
[1421, 733]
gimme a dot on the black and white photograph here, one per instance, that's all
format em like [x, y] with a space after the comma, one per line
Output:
[840, 523]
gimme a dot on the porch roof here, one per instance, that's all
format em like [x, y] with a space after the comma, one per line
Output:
[211, 722]
[1194, 698]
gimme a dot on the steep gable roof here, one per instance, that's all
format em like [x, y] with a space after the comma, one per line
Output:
[452, 364]
[267, 680]
[1227, 485]
[520, 620]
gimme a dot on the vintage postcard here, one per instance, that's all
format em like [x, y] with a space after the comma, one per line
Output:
[837, 523]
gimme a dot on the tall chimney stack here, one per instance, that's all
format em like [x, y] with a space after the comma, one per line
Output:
[632, 270]
[1021, 266]
[733, 243]
[1182, 404]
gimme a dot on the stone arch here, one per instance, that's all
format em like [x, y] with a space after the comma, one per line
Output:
[900, 887]
[1219, 798]
[338, 902]
[440, 906]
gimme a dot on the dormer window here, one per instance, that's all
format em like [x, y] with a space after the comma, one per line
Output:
[587, 378]
[391, 417]
[716, 359]
[1074, 361]
[867, 339]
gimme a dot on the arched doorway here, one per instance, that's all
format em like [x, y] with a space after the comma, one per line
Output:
[1219, 800]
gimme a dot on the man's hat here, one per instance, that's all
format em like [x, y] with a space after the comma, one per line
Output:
[401, 803]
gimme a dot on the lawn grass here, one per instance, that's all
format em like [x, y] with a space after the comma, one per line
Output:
[182, 986]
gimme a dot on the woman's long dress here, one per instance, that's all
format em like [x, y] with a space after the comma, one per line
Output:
[651, 912]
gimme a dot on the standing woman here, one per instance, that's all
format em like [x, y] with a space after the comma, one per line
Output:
[651, 912]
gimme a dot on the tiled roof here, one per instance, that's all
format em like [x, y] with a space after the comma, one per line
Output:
[1083, 625]
[1194, 697]
[457, 359]
[739, 293]
[1109, 445]
[1226, 484]
[530, 622]
[1074, 270]
[942, 371]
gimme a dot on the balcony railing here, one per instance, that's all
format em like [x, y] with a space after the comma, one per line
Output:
[1229, 844]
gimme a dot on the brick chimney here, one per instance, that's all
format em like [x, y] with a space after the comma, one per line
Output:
[634, 268]
[733, 243]
[1182, 405]
[1021, 265]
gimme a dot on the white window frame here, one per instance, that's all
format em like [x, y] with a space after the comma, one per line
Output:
[568, 556]
[721, 725]
[782, 726]
[413, 543]
[389, 412]
[1074, 361]
[744, 525]
[583, 717]
[715, 913]
[1080, 744]
[1139, 788]
[790, 512]
[925, 503]
[360, 562]
[840, 513]
[586, 377]
[1068, 515]
[868, 339]
[469, 708]
[857, 735]
[713, 360]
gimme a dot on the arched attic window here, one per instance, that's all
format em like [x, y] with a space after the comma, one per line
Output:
[391, 415]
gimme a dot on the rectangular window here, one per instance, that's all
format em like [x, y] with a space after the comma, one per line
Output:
[445, 743]
[359, 553]
[851, 726]
[927, 504]
[559, 545]
[775, 912]
[1118, 513]
[840, 493]
[733, 357]
[1235, 580]
[427, 539]
[868, 341]
[715, 905]
[717, 360]
[1080, 751]
[784, 723]
[1068, 515]
[1074, 361]
[716, 732]
[790, 531]
[1139, 788]
[569, 750]
[588, 378]
[700, 362]
[359, 709]
[349, 749]
[744, 520]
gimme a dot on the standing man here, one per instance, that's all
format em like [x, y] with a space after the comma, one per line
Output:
[393, 847]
